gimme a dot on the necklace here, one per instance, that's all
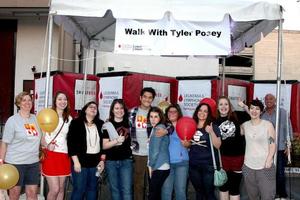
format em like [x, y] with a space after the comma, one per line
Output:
[89, 136]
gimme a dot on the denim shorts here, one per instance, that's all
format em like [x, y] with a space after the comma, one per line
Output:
[29, 174]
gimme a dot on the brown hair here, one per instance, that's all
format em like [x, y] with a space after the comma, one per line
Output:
[209, 115]
[67, 109]
[177, 107]
[231, 114]
[160, 114]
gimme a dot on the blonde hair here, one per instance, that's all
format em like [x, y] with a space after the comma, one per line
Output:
[19, 98]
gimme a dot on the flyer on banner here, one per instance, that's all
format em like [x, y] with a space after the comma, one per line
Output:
[234, 93]
[190, 93]
[261, 89]
[40, 92]
[172, 37]
[110, 88]
[90, 93]
[162, 91]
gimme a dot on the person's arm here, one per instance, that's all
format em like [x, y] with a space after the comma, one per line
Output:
[272, 145]
[7, 138]
[215, 139]
[3, 148]
[243, 105]
[72, 143]
[242, 129]
[186, 143]
[77, 165]
[107, 144]
[154, 147]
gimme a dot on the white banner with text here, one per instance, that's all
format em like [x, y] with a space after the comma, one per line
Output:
[90, 93]
[40, 94]
[172, 37]
[110, 88]
[190, 93]
[162, 91]
[234, 93]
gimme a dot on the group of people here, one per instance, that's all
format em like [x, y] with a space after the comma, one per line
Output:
[141, 149]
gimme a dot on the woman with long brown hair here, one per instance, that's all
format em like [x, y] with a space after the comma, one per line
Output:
[201, 169]
[56, 165]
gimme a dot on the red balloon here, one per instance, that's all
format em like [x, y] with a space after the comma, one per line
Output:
[212, 104]
[186, 128]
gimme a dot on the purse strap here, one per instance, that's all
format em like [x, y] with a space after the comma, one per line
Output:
[57, 133]
[213, 154]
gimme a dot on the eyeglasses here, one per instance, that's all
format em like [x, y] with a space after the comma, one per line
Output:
[173, 111]
[92, 107]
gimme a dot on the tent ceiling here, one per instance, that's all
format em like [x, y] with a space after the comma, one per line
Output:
[93, 22]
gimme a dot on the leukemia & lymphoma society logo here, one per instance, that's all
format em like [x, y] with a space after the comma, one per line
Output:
[189, 101]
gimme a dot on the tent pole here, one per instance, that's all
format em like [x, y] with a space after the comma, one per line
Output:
[49, 59]
[278, 85]
[47, 80]
[85, 76]
[223, 75]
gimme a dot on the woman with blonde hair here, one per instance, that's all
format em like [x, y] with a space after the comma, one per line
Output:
[20, 147]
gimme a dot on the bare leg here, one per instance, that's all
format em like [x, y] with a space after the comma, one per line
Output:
[14, 193]
[234, 197]
[224, 195]
[61, 193]
[31, 192]
[53, 183]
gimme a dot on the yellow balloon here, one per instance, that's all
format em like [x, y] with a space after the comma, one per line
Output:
[47, 119]
[9, 176]
[163, 105]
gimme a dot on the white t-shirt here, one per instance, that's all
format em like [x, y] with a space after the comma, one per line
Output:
[22, 136]
[60, 141]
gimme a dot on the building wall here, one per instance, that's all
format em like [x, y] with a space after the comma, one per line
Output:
[30, 42]
[265, 54]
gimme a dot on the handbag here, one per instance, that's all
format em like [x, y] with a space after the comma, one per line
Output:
[220, 176]
[43, 150]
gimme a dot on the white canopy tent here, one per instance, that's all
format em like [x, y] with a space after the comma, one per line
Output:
[93, 22]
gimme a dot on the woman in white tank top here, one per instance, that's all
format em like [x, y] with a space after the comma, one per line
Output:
[259, 169]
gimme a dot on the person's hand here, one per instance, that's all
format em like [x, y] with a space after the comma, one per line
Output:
[269, 163]
[150, 171]
[186, 143]
[77, 167]
[209, 128]
[120, 139]
[160, 132]
[287, 151]
[241, 103]
[101, 166]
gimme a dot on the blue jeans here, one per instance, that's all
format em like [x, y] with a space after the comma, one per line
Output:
[120, 174]
[84, 184]
[176, 180]
[280, 176]
[202, 178]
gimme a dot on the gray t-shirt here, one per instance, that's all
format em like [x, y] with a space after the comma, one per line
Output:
[141, 132]
[22, 137]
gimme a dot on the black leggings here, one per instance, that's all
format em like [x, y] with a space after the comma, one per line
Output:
[156, 182]
[233, 183]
